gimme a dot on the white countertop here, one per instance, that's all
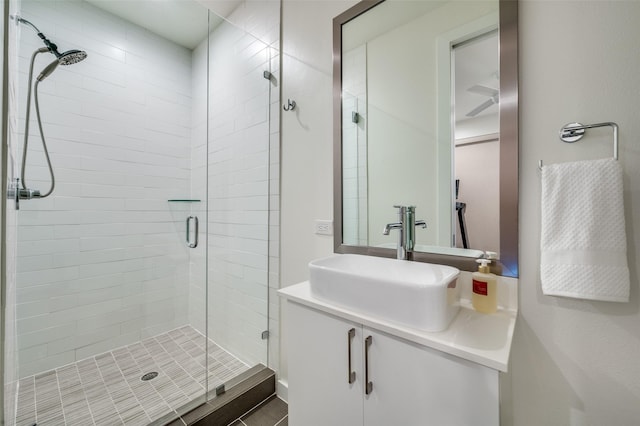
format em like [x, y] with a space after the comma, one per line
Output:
[484, 339]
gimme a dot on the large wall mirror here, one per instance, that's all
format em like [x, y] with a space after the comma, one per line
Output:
[426, 114]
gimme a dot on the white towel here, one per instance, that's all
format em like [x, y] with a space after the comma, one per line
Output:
[583, 242]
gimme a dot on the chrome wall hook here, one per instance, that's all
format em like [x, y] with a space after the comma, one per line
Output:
[289, 106]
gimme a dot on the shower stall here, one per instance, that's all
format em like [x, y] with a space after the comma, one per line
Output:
[140, 227]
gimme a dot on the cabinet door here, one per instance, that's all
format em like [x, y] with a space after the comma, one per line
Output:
[417, 386]
[318, 359]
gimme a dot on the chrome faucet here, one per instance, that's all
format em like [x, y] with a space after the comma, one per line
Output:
[406, 227]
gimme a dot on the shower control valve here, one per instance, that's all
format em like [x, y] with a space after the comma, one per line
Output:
[14, 192]
[23, 194]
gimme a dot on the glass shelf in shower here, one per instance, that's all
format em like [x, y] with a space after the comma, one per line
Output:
[185, 200]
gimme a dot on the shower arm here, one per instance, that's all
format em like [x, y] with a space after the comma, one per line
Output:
[51, 47]
[24, 21]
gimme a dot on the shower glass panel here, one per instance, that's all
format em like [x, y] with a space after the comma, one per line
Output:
[238, 199]
[141, 282]
[9, 231]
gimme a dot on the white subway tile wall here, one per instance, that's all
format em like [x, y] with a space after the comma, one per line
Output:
[101, 263]
[354, 142]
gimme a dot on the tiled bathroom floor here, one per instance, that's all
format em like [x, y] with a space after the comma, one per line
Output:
[272, 412]
[107, 389]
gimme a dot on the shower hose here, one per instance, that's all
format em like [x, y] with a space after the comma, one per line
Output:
[26, 127]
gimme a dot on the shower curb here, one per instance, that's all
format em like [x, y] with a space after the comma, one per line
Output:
[243, 393]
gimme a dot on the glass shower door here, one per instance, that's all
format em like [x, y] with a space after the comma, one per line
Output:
[238, 201]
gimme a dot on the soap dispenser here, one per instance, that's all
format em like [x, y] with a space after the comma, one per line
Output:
[484, 298]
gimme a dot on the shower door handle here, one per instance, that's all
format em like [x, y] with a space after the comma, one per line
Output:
[193, 244]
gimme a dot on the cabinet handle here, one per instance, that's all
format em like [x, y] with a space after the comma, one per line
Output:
[368, 386]
[350, 336]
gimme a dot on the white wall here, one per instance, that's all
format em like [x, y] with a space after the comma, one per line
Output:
[477, 165]
[101, 263]
[307, 173]
[573, 362]
[306, 158]
[576, 362]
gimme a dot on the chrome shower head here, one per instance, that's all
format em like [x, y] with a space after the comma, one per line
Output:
[71, 57]
[48, 70]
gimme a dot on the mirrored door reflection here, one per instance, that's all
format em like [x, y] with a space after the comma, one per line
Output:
[476, 142]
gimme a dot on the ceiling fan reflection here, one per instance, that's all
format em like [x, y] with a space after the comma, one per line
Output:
[492, 93]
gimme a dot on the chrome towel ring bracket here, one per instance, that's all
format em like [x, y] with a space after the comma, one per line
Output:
[573, 132]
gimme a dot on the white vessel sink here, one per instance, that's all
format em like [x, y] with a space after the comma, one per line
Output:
[413, 294]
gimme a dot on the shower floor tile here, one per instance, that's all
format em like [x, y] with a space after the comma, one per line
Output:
[107, 389]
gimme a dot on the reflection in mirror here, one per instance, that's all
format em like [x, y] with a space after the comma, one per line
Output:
[418, 114]
[476, 150]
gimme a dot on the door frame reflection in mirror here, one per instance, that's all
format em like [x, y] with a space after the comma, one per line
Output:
[475, 172]
[508, 106]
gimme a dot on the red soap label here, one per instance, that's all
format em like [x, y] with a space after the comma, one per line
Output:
[480, 287]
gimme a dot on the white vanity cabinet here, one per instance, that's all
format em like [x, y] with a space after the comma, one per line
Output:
[411, 384]
[318, 368]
